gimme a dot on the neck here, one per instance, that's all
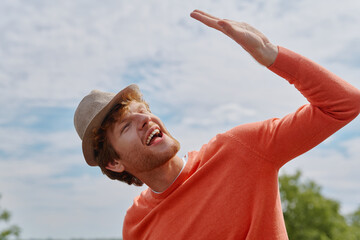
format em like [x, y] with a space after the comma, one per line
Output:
[162, 177]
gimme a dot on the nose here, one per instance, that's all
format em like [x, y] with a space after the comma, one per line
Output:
[142, 120]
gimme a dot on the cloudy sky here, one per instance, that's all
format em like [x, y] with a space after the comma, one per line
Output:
[198, 81]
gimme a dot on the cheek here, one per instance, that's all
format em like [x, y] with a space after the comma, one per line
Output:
[128, 150]
[131, 141]
[125, 143]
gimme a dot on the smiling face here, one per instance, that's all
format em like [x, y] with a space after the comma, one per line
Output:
[141, 140]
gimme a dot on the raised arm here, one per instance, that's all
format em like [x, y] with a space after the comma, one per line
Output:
[333, 101]
[253, 41]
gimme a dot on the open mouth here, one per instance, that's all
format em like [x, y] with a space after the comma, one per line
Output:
[153, 136]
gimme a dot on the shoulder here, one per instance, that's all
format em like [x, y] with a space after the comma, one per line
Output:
[225, 142]
[139, 208]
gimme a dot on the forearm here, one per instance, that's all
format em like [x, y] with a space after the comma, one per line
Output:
[333, 104]
[323, 89]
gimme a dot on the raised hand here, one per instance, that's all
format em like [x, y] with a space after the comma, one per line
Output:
[253, 41]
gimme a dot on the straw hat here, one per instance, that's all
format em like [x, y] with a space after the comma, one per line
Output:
[91, 112]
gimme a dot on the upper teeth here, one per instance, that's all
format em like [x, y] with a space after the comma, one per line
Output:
[156, 131]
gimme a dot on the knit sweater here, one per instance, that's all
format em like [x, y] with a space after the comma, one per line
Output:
[229, 189]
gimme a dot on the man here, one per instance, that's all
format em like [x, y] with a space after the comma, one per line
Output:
[228, 189]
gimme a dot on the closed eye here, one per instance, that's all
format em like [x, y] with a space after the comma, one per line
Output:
[125, 127]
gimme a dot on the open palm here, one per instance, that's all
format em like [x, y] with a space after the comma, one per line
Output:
[252, 40]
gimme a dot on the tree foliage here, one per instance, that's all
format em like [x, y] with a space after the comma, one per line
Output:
[354, 222]
[9, 231]
[311, 216]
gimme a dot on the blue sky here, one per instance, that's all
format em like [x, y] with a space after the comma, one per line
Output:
[198, 81]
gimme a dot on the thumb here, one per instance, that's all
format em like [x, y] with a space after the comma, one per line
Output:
[225, 25]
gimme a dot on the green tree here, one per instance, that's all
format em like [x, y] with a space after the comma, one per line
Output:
[310, 216]
[354, 222]
[12, 230]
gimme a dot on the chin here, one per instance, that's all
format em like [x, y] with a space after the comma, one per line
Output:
[160, 159]
[156, 157]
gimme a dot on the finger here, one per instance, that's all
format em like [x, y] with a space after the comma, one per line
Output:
[206, 14]
[203, 17]
[211, 22]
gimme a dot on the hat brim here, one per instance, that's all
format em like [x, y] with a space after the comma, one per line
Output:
[87, 142]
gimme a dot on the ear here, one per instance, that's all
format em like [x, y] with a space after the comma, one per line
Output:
[116, 166]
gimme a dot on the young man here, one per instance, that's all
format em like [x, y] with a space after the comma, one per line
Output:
[229, 188]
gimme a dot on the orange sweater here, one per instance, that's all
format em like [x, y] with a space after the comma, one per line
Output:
[229, 189]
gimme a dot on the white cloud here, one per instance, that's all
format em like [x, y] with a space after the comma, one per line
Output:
[52, 53]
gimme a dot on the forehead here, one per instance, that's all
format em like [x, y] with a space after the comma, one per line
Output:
[128, 108]
[135, 106]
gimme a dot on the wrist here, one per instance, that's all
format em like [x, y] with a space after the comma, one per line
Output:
[269, 55]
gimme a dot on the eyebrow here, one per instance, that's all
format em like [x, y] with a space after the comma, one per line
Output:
[141, 106]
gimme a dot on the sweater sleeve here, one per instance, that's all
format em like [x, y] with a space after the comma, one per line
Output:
[333, 104]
